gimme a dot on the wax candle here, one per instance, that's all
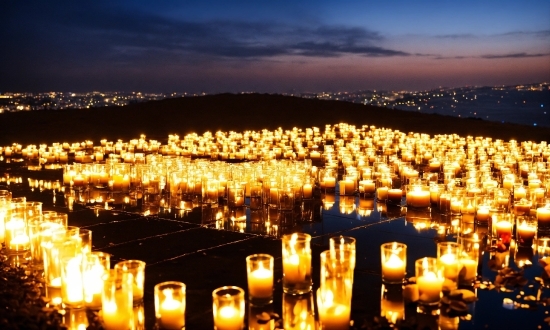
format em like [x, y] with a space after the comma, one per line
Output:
[228, 318]
[526, 233]
[307, 191]
[330, 182]
[483, 213]
[260, 282]
[367, 186]
[543, 215]
[171, 312]
[418, 197]
[382, 193]
[71, 282]
[393, 270]
[429, 287]
[470, 267]
[395, 195]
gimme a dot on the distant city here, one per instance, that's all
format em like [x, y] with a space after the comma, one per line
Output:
[523, 104]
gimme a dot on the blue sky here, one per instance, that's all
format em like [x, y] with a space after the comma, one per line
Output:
[268, 46]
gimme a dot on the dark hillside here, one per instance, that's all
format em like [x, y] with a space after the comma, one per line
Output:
[237, 112]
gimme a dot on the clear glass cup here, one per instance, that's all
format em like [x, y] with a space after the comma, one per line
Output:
[170, 305]
[228, 307]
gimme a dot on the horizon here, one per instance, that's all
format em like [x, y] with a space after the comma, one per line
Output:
[217, 47]
[281, 93]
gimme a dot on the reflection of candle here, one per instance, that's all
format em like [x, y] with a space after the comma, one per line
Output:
[393, 270]
[228, 318]
[260, 282]
[333, 315]
[171, 312]
[113, 318]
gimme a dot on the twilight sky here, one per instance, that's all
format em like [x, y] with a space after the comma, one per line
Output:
[271, 46]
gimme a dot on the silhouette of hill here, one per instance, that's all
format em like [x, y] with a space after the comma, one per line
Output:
[237, 112]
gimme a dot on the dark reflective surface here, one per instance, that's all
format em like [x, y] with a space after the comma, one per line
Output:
[205, 247]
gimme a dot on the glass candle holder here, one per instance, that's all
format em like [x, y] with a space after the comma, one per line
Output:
[337, 273]
[259, 268]
[116, 310]
[170, 305]
[235, 197]
[296, 263]
[543, 217]
[210, 191]
[502, 199]
[502, 226]
[95, 266]
[429, 279]
[285, 199]
[137, 269]
[394, 262]
[72, 285]
[395, 195]
[526, 230]
[228, 308]
[469, 258]
[367, 188]
[448, 257]
[345, 243]
[418, 196]
[256, 196]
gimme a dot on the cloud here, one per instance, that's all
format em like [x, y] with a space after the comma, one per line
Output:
[514, 55]
[456, 36]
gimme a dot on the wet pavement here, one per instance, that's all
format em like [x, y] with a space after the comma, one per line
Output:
[206, 251]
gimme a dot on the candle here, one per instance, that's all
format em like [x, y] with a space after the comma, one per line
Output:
[483, 213]
[526, 233]
[307, 191]
[504, 231]
[71, 282]
[395, 195]
[260, 276]
[228, 318]
[393, 270]
[171, 312]
[417, 197]
[543, 215]
[296, 263]
[429, 287]
[470, 272]
[330, 182]
[382, 193]
[367, 186]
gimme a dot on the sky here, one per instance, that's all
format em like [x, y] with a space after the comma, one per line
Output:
[271, 46]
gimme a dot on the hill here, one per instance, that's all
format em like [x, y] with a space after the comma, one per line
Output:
[237, 112]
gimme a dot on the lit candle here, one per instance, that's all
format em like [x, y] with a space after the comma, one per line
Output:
[526, 233]
[483, 213]
[171, 312]
[260, 282]
[470, 267]
[307, 191]
[393, 270]
[418, 197]
[429, 287]
[395, 195]
[543, 215]
[382, 193]
[228, 318]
